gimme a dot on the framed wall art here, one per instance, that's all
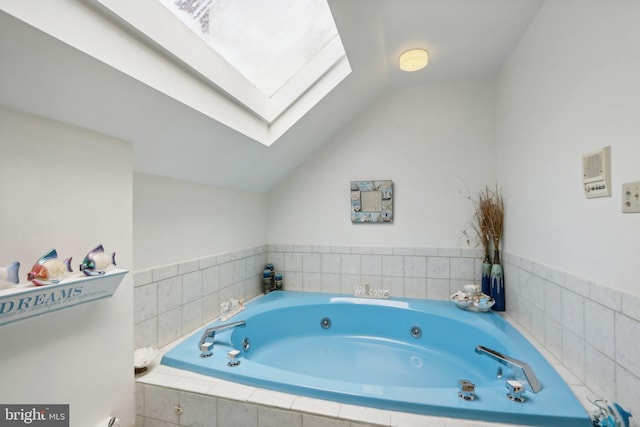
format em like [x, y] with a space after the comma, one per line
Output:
[372, 201]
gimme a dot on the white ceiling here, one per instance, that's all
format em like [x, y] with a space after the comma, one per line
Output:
[465, 38]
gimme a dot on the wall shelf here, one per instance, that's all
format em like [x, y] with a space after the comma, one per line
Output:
[22, 302]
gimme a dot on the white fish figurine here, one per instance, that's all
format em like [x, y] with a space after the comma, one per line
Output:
[49, 269]
[9, 274]
[97, 262]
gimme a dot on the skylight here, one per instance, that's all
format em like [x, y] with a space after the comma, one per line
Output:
[261, 65]
[268, 42]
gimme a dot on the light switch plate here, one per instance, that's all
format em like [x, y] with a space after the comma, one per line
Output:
[631, 197]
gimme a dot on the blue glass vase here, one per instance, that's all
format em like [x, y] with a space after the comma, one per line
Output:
[496, 290]
[486, 275]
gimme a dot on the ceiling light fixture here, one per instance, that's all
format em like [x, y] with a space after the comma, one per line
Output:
[414, 60]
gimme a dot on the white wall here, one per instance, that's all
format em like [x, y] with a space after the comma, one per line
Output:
[436, 143]
[177, 220]
[67, 188]
[570, 87]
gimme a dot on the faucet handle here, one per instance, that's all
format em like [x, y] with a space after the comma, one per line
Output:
[516, 391]
[232, 354]
[466, 388]
[206, 349]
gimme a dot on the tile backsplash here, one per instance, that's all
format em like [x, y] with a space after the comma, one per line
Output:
[175, 299]
[172, 300]
[593, 329]
[405, 272]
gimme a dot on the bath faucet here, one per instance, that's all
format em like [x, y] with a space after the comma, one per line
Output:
[521, 370]
[205, 346]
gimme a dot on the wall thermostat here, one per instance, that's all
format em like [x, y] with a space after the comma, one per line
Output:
[596, 173]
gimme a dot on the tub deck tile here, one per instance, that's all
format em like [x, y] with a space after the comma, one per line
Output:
[316, 406]
[193, 385]
[403, 419]
[233, 391]
[159, 379]
[272, 398]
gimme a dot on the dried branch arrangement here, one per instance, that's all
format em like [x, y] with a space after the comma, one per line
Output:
[493, 214]
[489, 216]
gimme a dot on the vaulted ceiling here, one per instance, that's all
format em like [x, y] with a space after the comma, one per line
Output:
[46, 76]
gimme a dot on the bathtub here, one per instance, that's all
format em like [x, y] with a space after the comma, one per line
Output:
[398, 354]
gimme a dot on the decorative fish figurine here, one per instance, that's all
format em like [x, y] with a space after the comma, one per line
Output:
[97, 261]
[49, 269]
[9, 274]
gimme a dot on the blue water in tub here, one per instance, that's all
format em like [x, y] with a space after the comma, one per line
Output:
[369, 357]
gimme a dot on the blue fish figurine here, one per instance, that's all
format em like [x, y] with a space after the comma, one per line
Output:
[49, 269]
[97, 262]
[9, 274]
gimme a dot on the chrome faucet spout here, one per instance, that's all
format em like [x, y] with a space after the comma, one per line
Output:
[521, 370]
[206, 346]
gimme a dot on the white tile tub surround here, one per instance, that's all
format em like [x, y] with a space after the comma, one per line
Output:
[175, 299]
[589, 331]
[433, 273]
[593, 330]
